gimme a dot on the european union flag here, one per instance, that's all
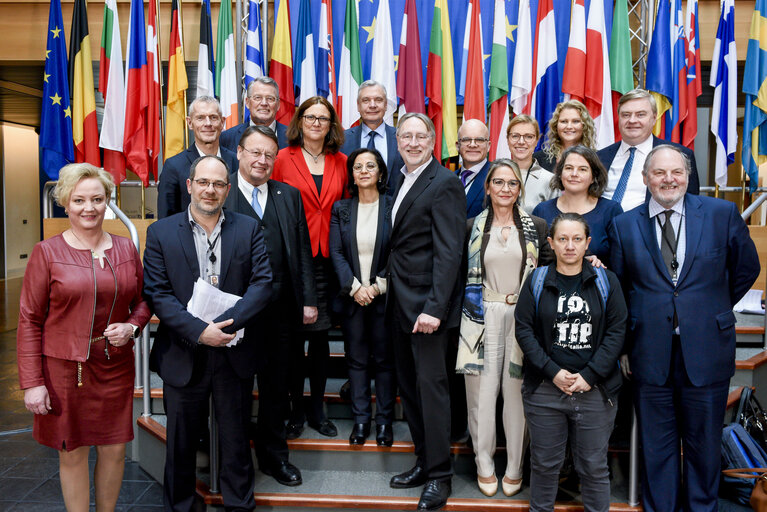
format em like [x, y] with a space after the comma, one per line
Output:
[755, 88]
[56, 146]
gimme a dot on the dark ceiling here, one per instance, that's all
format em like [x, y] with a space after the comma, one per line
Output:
[21, 87]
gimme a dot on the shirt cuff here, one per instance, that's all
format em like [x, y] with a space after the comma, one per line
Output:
[356, 285]
[381, 282]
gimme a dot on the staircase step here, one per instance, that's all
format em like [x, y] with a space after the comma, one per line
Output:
[361, 486]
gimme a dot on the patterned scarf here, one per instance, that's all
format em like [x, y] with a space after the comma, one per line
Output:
[471, 352]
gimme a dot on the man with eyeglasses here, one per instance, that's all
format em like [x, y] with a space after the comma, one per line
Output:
[372, 132]
[473, 147]
[196, 358]
[206, 122]
[263, 102]
[424, 302]
[625, 159]
[280, 210]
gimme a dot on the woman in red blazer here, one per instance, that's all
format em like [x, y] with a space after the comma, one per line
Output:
[313, 164]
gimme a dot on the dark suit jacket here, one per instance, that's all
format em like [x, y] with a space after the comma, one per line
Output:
[172, 196]
[170, 271]
[344, 253]
[720, 265]
[475, 198]
[607, 155]
[426, 248]
[231, 138]
[294, 233]
[353, 140]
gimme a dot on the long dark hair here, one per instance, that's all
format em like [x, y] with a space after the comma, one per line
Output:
[598, 172]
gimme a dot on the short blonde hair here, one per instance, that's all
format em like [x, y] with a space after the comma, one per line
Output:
[523, 119]
[71, 174]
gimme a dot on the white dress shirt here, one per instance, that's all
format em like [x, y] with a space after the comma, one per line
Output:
[636, 190]
[656, 213]
[247, 190]
[407, 184]
[474, 171]
[380, 140]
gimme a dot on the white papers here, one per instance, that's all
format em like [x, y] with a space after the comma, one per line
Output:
[208, 302]
[750, 303]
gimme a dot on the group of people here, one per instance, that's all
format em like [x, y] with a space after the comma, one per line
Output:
[523, 277]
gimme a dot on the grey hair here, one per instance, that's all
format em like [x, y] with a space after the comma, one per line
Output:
[656, 149]
[266, 81]
[424, 119]
[639, 94]
[205, 99]
[370, 83]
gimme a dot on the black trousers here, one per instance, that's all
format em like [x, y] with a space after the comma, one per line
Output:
[279, 324]
[185, 408]
[423, 384]
[369, 354]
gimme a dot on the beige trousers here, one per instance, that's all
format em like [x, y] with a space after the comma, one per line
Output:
[482, 393]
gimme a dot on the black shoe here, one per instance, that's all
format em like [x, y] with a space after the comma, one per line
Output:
[285, 473]
[325, 427]
[434, 495]
[294, 430]
[345, 391]
[360, 433]
[384, 435]
[414, 477]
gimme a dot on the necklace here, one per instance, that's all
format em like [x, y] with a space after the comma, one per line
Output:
[94, 252]
[316, 157]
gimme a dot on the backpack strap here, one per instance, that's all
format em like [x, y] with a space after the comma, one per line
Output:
[539, 276]
[603, 284]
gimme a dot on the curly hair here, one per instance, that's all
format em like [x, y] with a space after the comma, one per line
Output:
[553, 144]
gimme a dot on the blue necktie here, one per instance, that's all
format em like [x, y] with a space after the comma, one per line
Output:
[620, 190]
[371, 140]
[255, 204]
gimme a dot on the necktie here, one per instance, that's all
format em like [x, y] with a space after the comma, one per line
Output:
[371, 140]
[668, 243]
[620, 190]
[465, 176]
[255, 204]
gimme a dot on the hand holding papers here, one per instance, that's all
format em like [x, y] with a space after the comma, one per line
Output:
[208, 302]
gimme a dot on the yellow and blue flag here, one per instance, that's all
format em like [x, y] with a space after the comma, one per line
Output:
[755, 89]
[56, 143]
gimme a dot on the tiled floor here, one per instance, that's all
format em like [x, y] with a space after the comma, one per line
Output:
[29, 472]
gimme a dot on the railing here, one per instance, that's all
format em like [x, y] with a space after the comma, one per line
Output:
[141, 352]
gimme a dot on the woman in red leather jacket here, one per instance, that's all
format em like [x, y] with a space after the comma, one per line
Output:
[80, 309]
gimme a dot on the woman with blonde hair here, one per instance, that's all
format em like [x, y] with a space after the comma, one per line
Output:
[570, 125]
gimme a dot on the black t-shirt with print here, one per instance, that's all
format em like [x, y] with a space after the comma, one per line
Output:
[572, 348]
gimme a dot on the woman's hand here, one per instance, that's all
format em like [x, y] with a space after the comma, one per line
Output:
[595, 262]
[37, 400]
[310, 315]
[118, 334]
[363, 297]
[579, 385]
[563, 380]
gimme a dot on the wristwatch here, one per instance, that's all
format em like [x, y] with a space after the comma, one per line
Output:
[136, 331]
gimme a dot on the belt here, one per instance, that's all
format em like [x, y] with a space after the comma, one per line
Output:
[490, 295]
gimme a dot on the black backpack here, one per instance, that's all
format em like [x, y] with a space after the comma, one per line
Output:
[739, 450]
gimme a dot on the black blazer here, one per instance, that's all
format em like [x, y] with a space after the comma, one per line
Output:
[607, 155]
[172, 196]
[170, 271]
[343, 248]
[426, 248]
[295, 235]
[353, 140]
[231, 138]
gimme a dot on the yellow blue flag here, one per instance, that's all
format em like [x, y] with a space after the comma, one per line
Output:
[755, 89]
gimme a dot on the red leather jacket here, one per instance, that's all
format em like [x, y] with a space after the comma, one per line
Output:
[57, 303]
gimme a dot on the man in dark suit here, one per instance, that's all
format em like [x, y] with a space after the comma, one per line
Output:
[473, 147]
[206, 121]
[683, 261]
[226, 250]
[263, 102]
[424, 301]
[372, 132]
[283, 222]
[624, 160]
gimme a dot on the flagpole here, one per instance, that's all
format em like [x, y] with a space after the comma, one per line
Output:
[181, 36]
[160, 77]
[743, 188]
[238, 53]
[264, 33]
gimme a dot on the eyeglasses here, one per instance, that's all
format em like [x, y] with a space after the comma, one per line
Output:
[258, 154]
[310, 119]
[420, 137]
[468, 141]
[527, 137]
[500, 183]
[218, 185]
[370, 167]
[271, 100]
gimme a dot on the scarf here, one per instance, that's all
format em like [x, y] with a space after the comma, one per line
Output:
[471, 356]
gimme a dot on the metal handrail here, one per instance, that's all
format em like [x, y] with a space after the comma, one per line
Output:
[141, 352]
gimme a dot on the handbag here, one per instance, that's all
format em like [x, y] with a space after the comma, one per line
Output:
[752, 416]
[758, 499]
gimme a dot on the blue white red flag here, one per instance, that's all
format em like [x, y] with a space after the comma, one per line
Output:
[724, 74]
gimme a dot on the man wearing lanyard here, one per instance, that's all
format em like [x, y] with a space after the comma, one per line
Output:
[683, 261]
[227, 250]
